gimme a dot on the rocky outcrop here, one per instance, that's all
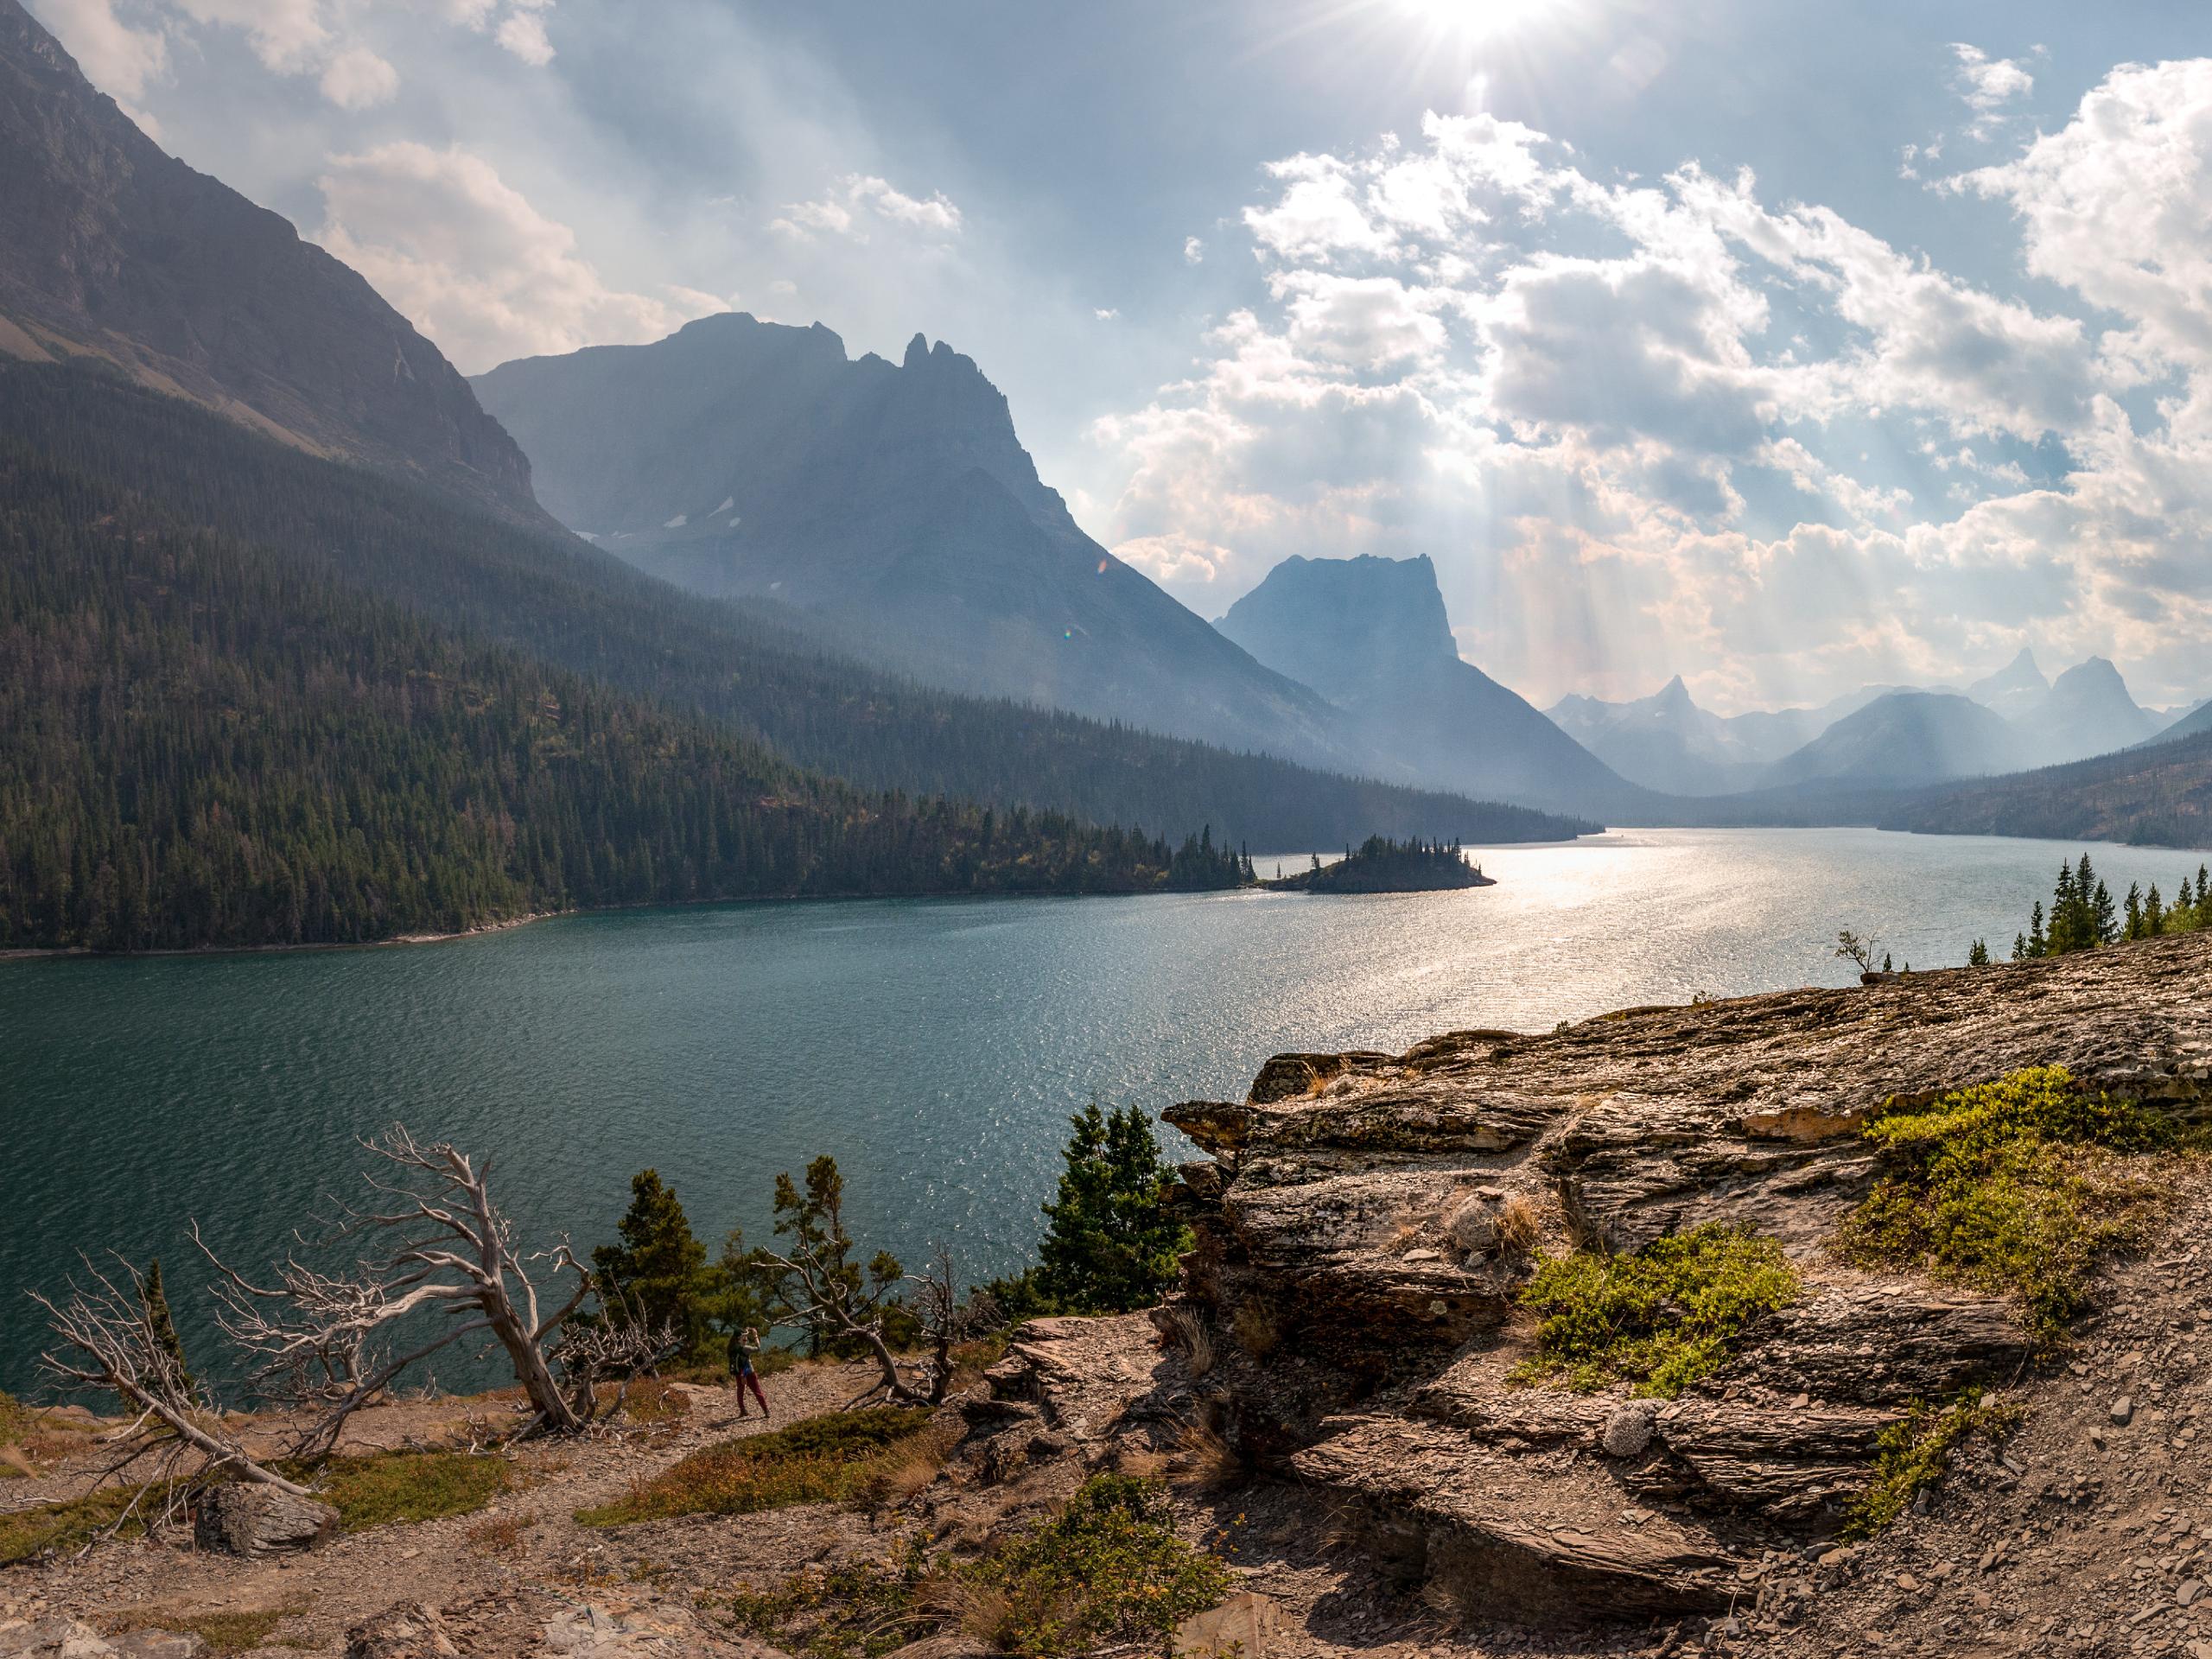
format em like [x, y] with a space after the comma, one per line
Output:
[113, 250]
[251, 1519]
[1368, 1222]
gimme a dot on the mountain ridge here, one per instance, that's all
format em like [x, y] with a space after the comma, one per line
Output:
[895, 502]
[112, 248]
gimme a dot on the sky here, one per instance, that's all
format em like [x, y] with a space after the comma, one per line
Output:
[1786, 348]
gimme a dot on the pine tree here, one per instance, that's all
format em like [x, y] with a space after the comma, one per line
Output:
[658, 1270]
[2104, 920]
[2134, 928]
[161, 1327]
[1977, 957]
[1110, 1246]
[2039, 945]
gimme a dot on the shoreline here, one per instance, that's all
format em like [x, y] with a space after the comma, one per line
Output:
[44, 952]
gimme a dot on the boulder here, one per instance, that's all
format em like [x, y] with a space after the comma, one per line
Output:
[249, 1518]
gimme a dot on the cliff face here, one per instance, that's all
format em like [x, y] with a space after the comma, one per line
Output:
[113, 250]
[1359, 1266]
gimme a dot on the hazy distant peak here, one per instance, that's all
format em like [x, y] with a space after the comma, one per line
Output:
[1339, 618]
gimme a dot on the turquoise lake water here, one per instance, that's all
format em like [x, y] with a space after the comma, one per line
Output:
[935, 1047]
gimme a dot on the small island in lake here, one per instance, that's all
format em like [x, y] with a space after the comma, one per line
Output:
[1383, 866]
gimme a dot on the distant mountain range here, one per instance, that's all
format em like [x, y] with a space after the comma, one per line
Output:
[1371, 635]
[113, 251]
[1880, 736]
[893, 501]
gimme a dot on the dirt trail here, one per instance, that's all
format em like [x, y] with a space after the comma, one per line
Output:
[509, 1576]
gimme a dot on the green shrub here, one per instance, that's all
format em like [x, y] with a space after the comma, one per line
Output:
[1109, 1571]
[1914, 1452]
[2018, 1188]
[389, 1486]
[816, 1460]
[27, 1535]
[1659, 1319]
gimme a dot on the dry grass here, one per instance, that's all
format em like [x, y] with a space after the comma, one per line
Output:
[1185, 1331]
[1520, 1227]
[1141, 1462]
[1203, 1460]
[224, 1630]
[906, 1468]
[501, 1535]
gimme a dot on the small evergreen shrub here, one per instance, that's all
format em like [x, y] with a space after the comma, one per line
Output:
[2017, 1187]
[822, 1460]
[1913, 1453]
[1661, 1318]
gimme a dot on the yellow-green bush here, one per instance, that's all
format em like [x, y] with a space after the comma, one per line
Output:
[1661, 1318]
[2017, 1187]
[1914, 1452]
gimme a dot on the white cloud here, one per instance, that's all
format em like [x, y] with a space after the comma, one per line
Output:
[859, 203]
[478, 268]
[357, 79]
[1988, 85]
[122, 61]
[287, 36]
[523, 33]
[1194, 252]
[1107, 314]
[1631, 419]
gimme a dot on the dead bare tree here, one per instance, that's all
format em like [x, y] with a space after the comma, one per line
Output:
[1852, 948]
[947, 1319]
[105, 1342]
[433, 1242]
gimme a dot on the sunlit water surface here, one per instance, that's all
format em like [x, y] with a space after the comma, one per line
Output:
[935, 1047]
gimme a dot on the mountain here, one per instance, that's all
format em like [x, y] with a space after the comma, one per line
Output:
[2088, 712]
[892, 501]
[1667, 742]
[213, 743]
[2189, 724]
[2017, 689]
[112, 249]
[564, 606]
[1904, 739]
[1370, 635]
[2159, 795]
[1664, 741]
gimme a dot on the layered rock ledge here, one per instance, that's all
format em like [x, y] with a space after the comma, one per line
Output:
[1366, 1222]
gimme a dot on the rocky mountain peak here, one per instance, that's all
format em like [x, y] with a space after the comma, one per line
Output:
[1333, 622]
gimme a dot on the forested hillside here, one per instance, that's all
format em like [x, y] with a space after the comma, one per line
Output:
[210, 743]
[557, 599]
[2158, 795]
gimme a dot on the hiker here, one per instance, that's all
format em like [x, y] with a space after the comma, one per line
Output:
[742, 1347]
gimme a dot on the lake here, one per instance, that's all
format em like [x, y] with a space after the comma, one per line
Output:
[935, 1047]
